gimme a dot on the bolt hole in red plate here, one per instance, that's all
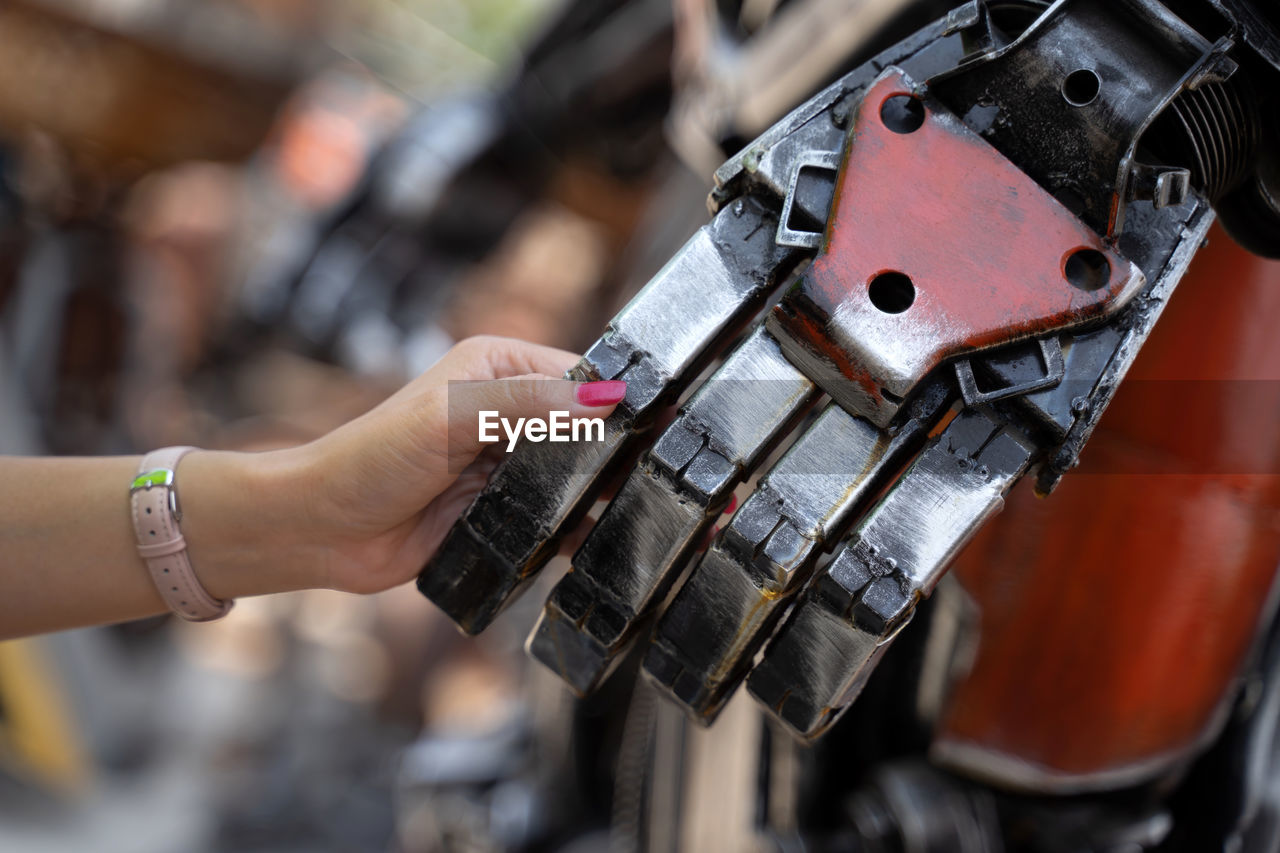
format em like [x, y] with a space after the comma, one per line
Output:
[891, 292]
[936, 246]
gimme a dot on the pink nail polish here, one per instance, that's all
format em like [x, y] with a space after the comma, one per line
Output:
[601, 393]
[733, 504]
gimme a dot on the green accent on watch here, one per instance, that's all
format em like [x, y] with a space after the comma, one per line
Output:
[158, 477]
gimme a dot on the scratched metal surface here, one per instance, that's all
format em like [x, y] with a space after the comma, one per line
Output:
[700, 280]
[591, 613]
[745, 403]
[816, 482]
[709, 634]
[894, 557]
[630, 559]
[539, 492]
[655, 349]
[993, 275]
[976, 289]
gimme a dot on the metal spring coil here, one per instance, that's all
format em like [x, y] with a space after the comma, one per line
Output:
[1213, 130]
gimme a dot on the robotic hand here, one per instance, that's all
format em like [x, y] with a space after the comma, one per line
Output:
[974, 233]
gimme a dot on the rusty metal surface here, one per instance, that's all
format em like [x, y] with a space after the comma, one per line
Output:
[631, 557]
[824, 652]
[1082, 147]
[993, 274]
[709, 635]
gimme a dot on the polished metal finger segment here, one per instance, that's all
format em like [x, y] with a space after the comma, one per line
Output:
[628, 562]
[706, 639]
[817, 663]
[720, 277]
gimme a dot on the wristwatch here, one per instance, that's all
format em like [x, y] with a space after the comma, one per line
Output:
[156, 512]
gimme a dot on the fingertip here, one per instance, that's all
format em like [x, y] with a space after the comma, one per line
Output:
[608, 392]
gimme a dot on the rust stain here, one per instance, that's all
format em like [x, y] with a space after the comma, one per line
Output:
[746, 630]
[982, 243]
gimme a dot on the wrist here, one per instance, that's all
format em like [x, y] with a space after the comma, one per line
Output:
[247, 522]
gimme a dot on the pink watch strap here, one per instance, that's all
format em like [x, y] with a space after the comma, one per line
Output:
[156, 512]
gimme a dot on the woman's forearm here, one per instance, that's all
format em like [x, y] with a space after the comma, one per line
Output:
[360, 509]
[68, 556]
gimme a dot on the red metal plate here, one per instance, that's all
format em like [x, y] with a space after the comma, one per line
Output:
[984, 246]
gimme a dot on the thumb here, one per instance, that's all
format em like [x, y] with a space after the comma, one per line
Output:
[532, 407]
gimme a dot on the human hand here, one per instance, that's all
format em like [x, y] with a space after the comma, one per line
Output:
[383, 490]
[360, 509]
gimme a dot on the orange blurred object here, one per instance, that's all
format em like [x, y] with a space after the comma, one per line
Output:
[1116, 616]
[124, 94]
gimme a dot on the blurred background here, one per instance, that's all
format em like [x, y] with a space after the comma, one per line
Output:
[239, 223]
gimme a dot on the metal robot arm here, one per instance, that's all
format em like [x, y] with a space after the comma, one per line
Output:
[958, 249]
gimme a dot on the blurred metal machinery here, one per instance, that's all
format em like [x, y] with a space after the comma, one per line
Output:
[123, 89]
[587, 99]
[97, 97]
